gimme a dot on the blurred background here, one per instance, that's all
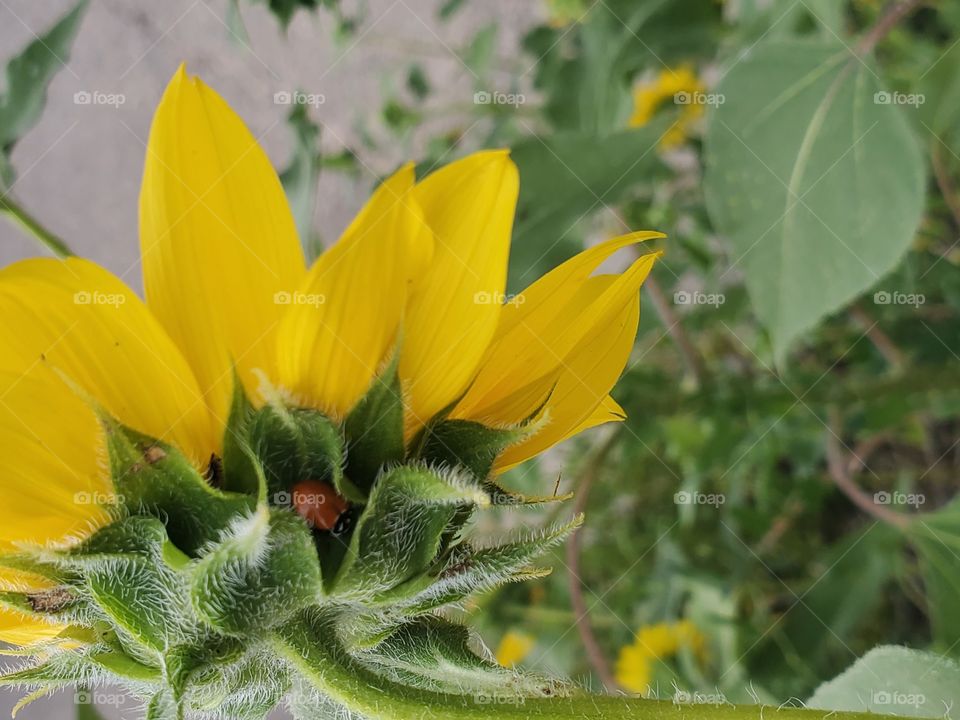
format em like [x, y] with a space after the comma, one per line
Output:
[780, 499]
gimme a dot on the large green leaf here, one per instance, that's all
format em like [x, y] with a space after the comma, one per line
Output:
[818, 184]
[894, 681]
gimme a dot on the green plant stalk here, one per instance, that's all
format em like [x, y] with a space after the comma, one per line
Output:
[330, 670]
[29, 223]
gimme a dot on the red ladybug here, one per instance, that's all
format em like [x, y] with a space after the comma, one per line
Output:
[320, 505]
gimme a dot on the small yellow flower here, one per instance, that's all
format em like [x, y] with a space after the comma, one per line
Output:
[514, 648]
[679, 86]
[661, 641]
[420, 275]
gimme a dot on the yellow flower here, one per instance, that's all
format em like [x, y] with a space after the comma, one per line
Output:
[514, 648]
[678, 85]
[634, 669]
[421, 272]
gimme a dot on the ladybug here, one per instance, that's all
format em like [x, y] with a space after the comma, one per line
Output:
[320, 505]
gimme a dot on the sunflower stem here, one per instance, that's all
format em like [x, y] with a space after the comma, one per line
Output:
[313, 651]
[11, 208]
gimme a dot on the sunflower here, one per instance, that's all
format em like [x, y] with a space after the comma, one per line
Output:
[416, 283]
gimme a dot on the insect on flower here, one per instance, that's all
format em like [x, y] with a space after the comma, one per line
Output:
[320, 505]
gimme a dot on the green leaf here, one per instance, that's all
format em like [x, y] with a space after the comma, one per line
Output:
[450, 8]
[284, 10]
[263, 569]
[29, 74]
[302, 175]
[894, 681]
[936, 537]
[374, 430]
[480, 52]
[566, 177]
[235, 25]
[819, 187]
[399, 533]
[417, 82]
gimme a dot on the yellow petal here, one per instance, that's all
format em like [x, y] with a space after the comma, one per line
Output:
[76, 319]
[54, 485]
[341, 326]
[543, 326]
[217, 239]
[455, 308]
[582, 386]
[20, 630]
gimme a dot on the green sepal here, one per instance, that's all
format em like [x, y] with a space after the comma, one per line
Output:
[247, 690]
[242, 471]
[144, 600]
[468, 444]
[467, 570]
[34, 565]
[399, 534]
[152, 477]
[434, 654]
[200, 662]
[61, 669]
[297, 444]
[131, 583]
[500, 495]
[475, 447]
[374, 430]
[264, 568]
[163, 706]
[124, 667]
